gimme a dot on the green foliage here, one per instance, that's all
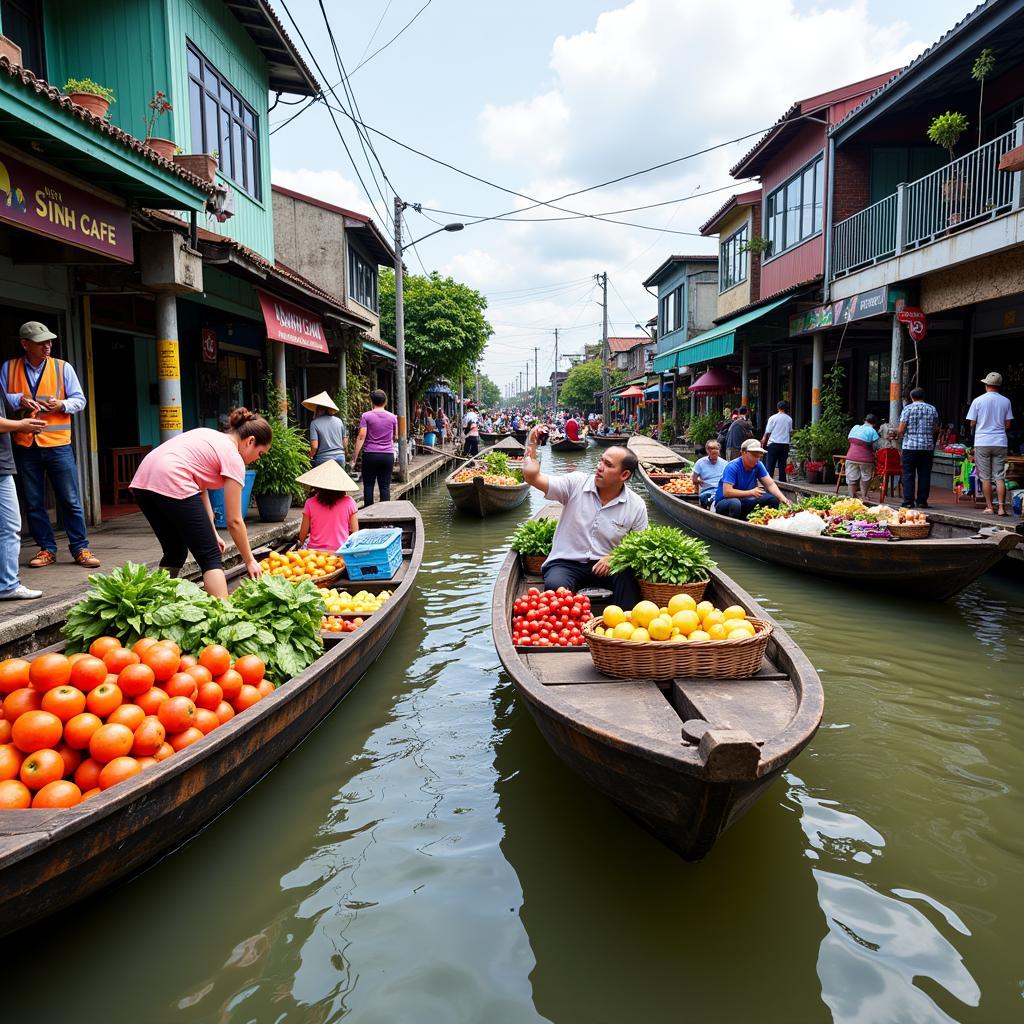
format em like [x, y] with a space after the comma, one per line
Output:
[288, 458]
[535, 536]
[757, 246]
[490, 393]
[984, 64]
[581, 385]
[946, 129]
[87, 85]
[663, 554]
[445, 328]
[802, 444]
[703, 428]
[668, 433]
[829, 435]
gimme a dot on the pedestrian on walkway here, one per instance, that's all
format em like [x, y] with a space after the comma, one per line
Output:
[860, 456]
[990, 416]
[378, 431]
[11, 587]
[740, 430]
[327, 433]
[471, 427]
[172, 484]
[777, 432]
[919, 426]
[47, 388]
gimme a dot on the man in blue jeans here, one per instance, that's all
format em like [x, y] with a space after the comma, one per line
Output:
[47, 388]
[745, 484]
[918, 429]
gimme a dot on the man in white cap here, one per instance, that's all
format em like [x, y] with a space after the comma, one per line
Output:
[48, 388]
[327, 432]
[746, 483]
[990, 416]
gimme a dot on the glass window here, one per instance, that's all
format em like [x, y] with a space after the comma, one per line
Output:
[819, 193]
[22, 23]
[362, 278]
[794, 209]
[732, 260]
[677, 302]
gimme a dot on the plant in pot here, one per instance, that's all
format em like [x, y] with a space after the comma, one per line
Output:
[945, 131]
[276, 470]
[532, 540]
[158, 107]
[86, 93]
[702, 429]
[665, 561]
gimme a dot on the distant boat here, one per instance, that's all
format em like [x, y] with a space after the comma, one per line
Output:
[563, 444]
[608, 440]
[479, 497]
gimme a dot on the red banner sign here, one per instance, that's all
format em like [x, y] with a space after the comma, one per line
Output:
[209, 337]
[292, 324]
[916, 321]
[45, 204]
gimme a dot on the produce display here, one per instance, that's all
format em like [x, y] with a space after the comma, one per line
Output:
[682, 484]
[535, 536]
[549, 618]
[75, 725]
[302, 565]
[337, 624]
[682, 620]
[842, 517]
[662, 554]
[341, 602]
[495, 468]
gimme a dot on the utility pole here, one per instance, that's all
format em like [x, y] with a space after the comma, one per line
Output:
[606, 403]
[400, 400]
[536, 381]
[554, 382]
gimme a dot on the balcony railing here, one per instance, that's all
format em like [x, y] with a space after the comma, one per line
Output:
[965, 192]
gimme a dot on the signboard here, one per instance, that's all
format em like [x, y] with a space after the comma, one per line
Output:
[45, 204]
[292, 324]
[856, 307]
[917, 323]
[209, 339]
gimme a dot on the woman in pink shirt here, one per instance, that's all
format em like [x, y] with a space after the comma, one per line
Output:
[171, 485]
[330, 516]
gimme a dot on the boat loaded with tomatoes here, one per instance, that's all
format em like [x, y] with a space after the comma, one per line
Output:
[162, 707]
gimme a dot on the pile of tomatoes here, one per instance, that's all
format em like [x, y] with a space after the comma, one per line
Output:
[550, 618]
[71, 727]
[336, 624]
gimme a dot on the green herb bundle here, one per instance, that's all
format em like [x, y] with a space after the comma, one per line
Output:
[534, 537]
[663, 554]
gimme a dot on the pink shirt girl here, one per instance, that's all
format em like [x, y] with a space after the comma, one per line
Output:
[328, 525]
[195, 461]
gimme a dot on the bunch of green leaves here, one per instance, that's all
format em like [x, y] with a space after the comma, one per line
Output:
[822, 502]
[126, 603]
[534, 537]
[702, 429]
[87, 85]
[496, 464]
[287, 458]
[663, 554]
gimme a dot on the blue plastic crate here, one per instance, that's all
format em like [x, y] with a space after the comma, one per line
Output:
[373, 554]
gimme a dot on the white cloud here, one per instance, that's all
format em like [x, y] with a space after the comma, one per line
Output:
[329, 185]
[507, 130]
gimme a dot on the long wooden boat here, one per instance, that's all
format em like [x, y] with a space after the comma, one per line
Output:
[626, 736]
[520, 435]
[608, 440]
[936, 568]
[50, 859]
[480, 498]
[563, 444]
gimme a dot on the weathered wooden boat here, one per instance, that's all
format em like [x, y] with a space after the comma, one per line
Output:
[481, 498]
[685, 758]
[609, 440]
[50, 859]
[520, 435]
[937, 567]
[647, 449]
[560, 443]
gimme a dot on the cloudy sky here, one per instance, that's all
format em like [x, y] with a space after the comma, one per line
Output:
[547, 97]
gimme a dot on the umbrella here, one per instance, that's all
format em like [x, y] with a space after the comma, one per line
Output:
[715, 382]
[631, 392]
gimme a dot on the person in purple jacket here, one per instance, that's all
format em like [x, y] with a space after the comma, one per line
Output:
[375, 441]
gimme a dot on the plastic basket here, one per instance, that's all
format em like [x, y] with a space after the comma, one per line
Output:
[373, 554]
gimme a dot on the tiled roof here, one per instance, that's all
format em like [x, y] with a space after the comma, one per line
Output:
[287, 70]
[741, 199]
[625, 344]
[705, 258]
[765, 299]
[28, 80]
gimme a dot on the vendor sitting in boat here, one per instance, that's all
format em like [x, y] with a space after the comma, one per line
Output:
[707, 472]
[746, 484]
[572, 429]
[598, 511]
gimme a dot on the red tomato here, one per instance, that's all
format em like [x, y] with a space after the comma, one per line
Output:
[231, 683]
[146, 762]
[41, 767]
[117, 770]
[87, 775]
[99, 647]
[162, 660]
[148, 737]
[250, 668]
[127, 714]
[215, 658]
[224, 711]
[49, 671]
[91, 792]
[14, 795]
[104, 699]
[151, 700]
[266, 687]
[65, 702]
[164, 752]
[78, 730]
[119, 658]
[58, 794]
[19, 701]
[181, 684]
[247, 696]
[110, 741]
[177, 714]
[36, 730]
[209, 696]
[206, 720]
[135, 680]
[200, 673]
[14, 674]
[10, 761]
[72, 759]
[181, 740]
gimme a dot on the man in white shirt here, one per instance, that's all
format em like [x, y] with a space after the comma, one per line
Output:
[598, 512]
[777, 432]
[471, 426]
[990, 416]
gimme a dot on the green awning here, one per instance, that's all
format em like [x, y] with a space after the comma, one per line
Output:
[719, 341]
[378, 350]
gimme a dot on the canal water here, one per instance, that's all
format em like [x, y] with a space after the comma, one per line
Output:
[423, 857]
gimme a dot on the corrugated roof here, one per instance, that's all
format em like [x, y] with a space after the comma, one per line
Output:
[625, 344]
[653, 279]
[765, 299]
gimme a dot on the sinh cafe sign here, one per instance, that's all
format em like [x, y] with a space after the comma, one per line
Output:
[291, 324]
[44, 204]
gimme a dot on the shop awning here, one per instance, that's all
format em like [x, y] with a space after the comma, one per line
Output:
[719, 341]
[440, 389]
[653, 389]
[631, 392]
[291, 324]
[379, 350]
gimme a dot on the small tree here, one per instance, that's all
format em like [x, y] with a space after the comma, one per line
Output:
[946, 129]
[983, 66]
[581, 386]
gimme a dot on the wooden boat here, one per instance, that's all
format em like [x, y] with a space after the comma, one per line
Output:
[480, 498]
[936, 568]
[50, 859]
[559, 443]
[647, 449]
[608, 440]
[520, 435]
[626, 737]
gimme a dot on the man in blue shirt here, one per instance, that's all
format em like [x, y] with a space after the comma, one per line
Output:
[707, 472]
[919, 426]
[745, 484]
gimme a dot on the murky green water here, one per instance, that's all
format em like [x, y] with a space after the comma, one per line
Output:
[423, 857]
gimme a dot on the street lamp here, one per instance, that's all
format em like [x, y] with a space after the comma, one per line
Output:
[400, 396]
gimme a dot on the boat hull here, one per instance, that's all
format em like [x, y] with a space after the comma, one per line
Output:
[483, 499]
[565, 445]
[608, 440]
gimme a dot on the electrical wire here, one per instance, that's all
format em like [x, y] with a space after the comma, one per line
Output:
[381, 49]
[376, 29]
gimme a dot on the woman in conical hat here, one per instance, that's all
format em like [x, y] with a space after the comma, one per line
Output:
[329, 516]
[327, 433]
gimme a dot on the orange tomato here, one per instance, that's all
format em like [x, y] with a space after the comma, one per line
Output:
[186, 662]
[151, 700]
[266, 687]
[78, 730]
[14, 795]
[87, 775]
[10, 761]
[164, 752]
[200, 674]
[149, 736]
[146, 762]
[41, 767]
[110, 741]
[224, 711]
[209, 696]
[206, 720]
[250, 668]
[215, 658]
[91, 792]
[14, 674]
[18, 702]
[77, 656]
[99, 647]
[88, 672]
[231, 683]
[5, 729]
[72, 759]
[118, 659]
[180, 740]
[35, 730]
[172, 646]
[49, 671]
[247, 696]
[177, 714]
[65, 702]
[58, 794]
[127, 714]
[104, 699]
[135, 680]
[162, 660]
[143, 644]
[117, 770]
[181, 684]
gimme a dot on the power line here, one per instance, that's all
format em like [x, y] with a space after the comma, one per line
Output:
[376, 29]
[392, 39]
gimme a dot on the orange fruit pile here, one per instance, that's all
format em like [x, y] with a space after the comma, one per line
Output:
[302, 565]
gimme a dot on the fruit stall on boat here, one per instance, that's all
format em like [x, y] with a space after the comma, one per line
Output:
[488, 483]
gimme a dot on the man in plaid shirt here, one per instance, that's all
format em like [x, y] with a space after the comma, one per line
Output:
[919, 426]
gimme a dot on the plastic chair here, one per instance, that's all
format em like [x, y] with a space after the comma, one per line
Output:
[889, 468]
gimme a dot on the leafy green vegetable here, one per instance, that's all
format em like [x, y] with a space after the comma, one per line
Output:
[497, 464]
[534, 537]
[663, 554]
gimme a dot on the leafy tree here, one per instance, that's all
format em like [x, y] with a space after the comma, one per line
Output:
[445, 328]
[581, 386]
[945, 131]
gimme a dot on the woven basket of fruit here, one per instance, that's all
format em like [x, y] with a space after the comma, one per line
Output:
[533, 563]
[661, 593]
[910, 531]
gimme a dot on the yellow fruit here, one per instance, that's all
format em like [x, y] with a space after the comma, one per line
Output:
[738, 634]
[640, 636]
[712, 618]
[623, 631]
[681, 603]
[660, 628]
[686, 621]
[717, 631]
[698, 636]
[703, 608]
[643, 612]
[665, 612]
[599, 630]
[679, 638]
[613, 615]
[734, 611]
[745, 625]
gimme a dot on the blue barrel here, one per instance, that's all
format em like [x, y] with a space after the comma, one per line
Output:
[430, 438]
[217, 500]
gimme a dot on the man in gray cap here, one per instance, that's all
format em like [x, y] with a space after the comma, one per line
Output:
[990, 416]
[47, 388]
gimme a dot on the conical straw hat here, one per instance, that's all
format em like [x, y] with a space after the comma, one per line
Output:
[322, 401]
[328, 476]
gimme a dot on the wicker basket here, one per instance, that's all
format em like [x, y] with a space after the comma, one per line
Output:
[660, 593]
[715, 659]
[911, 531]
[330, 578]
[532, 564]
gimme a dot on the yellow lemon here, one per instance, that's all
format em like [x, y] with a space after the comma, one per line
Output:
[640, 635]
[717, 631]
[665, 611]
[703, 608]
[745, 624]
[734, 611]
[681, 603]
[714, 616]
[623, 631]
[599, 630]
[660, 628]
[686, 621]
[679, 638]
[738, 634]
[613, 615]
[643, 612]
[698, 636]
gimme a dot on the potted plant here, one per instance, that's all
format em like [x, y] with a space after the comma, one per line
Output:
[665, 561]
[945, 131]
[802, 446]
[532, 540]
[158, 107]
[84, 92]
[276, 471]
[756, 246]
[202, 165]
[702, 429]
